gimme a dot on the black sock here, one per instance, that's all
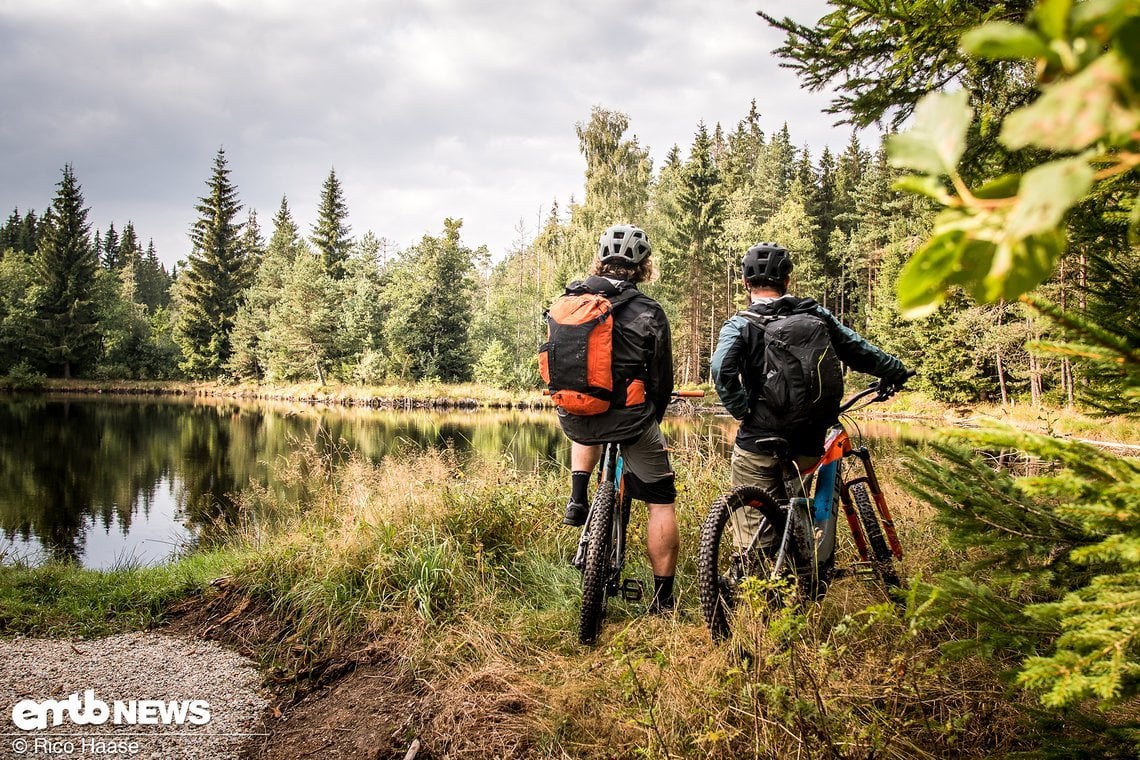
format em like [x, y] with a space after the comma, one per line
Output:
[579, 486]
[663, 589]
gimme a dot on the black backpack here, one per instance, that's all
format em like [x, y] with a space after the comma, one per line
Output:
[803, 379]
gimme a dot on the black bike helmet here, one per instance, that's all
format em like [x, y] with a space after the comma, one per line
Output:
[624, 243]
[766, 263]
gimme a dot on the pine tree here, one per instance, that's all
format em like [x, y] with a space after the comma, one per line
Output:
[330, 236]
[210, 288]
[882, 56]
[700, 259]
[430, 309]
[111, 258]
[65, 264]
[30, 231]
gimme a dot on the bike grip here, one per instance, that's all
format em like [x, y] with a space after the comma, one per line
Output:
[689, 394]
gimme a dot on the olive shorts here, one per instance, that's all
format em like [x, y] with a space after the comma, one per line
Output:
[752, 469]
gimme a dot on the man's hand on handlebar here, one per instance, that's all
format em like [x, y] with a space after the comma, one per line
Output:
[888, 389]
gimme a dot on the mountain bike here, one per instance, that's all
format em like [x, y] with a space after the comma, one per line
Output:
[601, 548]
[793, 549]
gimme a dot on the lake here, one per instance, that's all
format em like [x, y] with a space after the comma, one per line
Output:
[107, 481]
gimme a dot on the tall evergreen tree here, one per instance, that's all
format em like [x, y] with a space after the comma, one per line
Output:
[330, 236]
[700, 258]
[618, 175]
[111, 258]
[430, 308]
[210, 288]
[65, 265]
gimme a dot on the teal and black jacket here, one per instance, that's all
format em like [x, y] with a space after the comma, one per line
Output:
[738, 372]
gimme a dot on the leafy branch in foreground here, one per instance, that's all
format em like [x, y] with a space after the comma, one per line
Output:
[1059, 579]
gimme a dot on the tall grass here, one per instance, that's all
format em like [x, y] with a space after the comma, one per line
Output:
[465, 565]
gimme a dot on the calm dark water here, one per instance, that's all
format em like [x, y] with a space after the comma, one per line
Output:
[105, 482]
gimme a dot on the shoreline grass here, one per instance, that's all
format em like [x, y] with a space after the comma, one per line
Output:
[457, 572]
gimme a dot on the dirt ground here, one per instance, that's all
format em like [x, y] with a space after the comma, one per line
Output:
[359, 705]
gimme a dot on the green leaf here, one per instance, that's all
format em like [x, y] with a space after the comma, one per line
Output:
[1074, 113]
[1003, 41]
[1018, 266]
[921, 285]
[1102, 18]
[938, 139]
[1004, 186]
[1047, 192]
[1052, 17]
[923, 184]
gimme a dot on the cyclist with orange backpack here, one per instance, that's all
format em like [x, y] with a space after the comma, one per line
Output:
[609, 365]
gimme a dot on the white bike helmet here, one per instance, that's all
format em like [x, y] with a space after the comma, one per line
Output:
[624, 243]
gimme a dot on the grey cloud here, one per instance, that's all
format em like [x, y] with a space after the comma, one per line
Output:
[426, 109]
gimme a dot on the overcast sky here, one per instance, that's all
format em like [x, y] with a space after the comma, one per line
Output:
[426, 109]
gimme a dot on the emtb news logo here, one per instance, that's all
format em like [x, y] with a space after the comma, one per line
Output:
[33, 715]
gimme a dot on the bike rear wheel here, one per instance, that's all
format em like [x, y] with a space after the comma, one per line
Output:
[595, 574]
[722, 566]
[882, 560]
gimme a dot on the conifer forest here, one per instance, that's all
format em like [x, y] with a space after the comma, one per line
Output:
[271, 298]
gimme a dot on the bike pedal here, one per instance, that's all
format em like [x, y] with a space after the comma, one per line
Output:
[632, 590]
[864, 571]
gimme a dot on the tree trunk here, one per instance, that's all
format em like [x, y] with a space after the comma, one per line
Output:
[1001, 379]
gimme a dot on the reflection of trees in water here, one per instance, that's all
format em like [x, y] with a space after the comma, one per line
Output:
[71, 465]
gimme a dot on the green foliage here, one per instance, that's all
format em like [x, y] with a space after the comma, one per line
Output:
[430, 310]
[883, 56]
[330, 236]
[64, 266]
[1062, 547]
[209, 290]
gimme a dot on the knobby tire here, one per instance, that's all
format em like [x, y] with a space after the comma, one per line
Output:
[596, 571]
[881, 558]
[718, 578]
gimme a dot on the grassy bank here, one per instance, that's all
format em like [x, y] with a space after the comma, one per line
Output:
[452, 578]
[65, 600]
[455, 578]
[909, 405]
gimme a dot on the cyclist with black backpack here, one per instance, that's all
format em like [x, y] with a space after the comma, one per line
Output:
[777, 369]
[609, 365]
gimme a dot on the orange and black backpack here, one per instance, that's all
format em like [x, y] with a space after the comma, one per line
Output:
[576, 361]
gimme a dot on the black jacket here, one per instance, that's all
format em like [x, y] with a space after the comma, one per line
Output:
[737, 371]
[643, 350]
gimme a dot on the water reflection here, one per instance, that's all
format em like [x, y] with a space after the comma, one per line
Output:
[130, 479]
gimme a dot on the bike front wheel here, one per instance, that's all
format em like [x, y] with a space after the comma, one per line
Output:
[722, 565]
[882, 561]
[595, 573]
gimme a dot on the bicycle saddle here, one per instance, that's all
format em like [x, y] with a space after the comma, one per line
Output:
[774, 444]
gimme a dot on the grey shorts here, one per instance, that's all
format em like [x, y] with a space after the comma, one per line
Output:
[647, 461]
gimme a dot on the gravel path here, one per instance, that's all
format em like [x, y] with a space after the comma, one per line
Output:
[119, 669]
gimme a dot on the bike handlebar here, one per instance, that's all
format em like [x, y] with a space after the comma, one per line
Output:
[879, 390]
[674, 394]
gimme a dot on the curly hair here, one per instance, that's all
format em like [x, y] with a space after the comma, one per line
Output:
[644, 271]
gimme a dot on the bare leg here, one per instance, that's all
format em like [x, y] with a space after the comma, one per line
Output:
[584, 458]
[662, 539]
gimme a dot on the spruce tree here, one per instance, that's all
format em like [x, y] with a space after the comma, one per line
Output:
[700, 258]
[111, 257]
[330, 235]
[430, 309]
[210, 287]
[65, 264]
